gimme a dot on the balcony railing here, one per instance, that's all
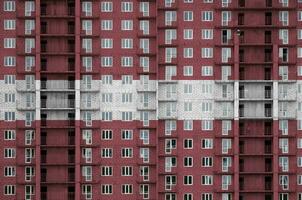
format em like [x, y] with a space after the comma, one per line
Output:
[57, 85]
[65, 103]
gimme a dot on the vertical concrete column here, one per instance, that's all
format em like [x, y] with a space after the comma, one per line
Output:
[37, 96]
[275, 78]
[77, 100]
[236, 115]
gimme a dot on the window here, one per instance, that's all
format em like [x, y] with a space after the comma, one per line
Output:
[106, 61]
[206, 180]
[126, 171]
[206, 52]
[9, 61]
[126, 43]
[9, 153]
[207, 143]
[87, 45]
[87, 8]
[107, 98]
[107, 79]
[107, 116]
[127, 7]
[188, 180]
[9, 171]
[127, 79]
[144, 26]
[299, 34]
[127, 134]
[9, 79]
[188, 52]
[9, 43]
[299, 161]
[188, 125]
[29, 26]
[106, 171]
[207, 71]
[226, 144]
[283, 17]
[225, 18]
[299, 15]
[9, 24]
[188, 144]
[207, 16]
[106, 189]
[188, 71]
[188, 161]
[87, 191]
[188, 15]
[206, 107]
[106, 25]
[144, 8]
[127, 116]
[9, 189]
[188, 88]
[299, 143]
[188, 34]
[9, 135]
[126, 152]
[144, 136]
[9, 116]
[207, 125]
[106, 43]
[283, 36]
[29, 173]
[127, 25]
[106, 153]
[126, 61]
[207, 34]
[226, 163]
[127, 189]
[87, 173]
[106, 135]
[126, 97]
[87, 136]
[106, 6]
[209, 196]
[9, 6]
[29, 45]
[206, 161]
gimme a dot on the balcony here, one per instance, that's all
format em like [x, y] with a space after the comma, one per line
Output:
[257, 110]
[57, 85]
[150, 87]
[57, 104]
[23, 105]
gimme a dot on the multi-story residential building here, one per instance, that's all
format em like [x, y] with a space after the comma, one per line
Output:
[151, 99]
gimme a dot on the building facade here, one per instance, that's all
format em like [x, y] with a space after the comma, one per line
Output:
[151, 99]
